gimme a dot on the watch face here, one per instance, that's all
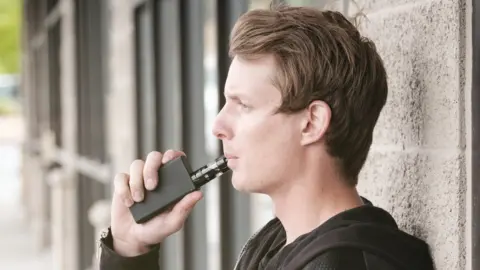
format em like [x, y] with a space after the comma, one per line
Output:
[104, 233]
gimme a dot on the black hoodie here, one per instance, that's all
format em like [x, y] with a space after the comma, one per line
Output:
[362, 238]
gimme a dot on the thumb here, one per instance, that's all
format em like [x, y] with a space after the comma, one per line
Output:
[176, 218]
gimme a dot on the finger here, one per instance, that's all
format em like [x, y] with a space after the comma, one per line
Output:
[136, 180]
[176, 218]
[122, 190]
[150, 170]
[170, 155]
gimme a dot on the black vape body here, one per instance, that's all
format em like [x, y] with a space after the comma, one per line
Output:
[174, 182]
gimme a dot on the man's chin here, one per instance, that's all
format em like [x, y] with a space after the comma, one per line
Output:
[238, 185]
[244, 186]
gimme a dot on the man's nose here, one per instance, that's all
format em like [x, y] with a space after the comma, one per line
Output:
[220, 127]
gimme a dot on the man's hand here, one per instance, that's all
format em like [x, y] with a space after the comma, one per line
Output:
[130, 238]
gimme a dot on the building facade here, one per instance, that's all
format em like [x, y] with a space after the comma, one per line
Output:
[106, 82]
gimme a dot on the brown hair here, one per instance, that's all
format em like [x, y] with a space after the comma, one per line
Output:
[320, 56]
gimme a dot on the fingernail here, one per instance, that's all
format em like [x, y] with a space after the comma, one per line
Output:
[150, 183]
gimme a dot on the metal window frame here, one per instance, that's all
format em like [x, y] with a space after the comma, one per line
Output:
[195, 242]
[142, 128]
[475, 99]
[54, 73]
[169, 99]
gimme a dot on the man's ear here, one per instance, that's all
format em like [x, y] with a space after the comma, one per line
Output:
[316, 122]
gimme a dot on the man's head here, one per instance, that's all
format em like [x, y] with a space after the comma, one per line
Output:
[304, 89]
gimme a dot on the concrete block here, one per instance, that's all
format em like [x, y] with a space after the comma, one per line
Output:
[422, 49]
[369, 6]
[425, 191]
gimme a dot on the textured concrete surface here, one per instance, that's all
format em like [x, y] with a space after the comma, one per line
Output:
[416, 168]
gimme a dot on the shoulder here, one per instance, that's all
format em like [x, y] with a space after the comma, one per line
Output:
[348, 258]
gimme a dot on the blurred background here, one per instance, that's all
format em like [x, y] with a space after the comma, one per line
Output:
[87, 86]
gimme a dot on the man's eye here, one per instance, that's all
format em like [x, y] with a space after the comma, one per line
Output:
[243, 105]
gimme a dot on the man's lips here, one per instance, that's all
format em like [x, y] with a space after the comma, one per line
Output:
[229, 156]
[231, 160]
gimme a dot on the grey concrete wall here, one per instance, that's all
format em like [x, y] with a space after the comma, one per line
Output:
[417, 166]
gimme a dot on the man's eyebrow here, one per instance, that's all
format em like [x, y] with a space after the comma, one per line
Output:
[234, 96]
[231, 96]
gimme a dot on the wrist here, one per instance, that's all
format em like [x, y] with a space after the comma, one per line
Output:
[127, 249]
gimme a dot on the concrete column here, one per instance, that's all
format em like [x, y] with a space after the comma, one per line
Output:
[121, 138]
[69, 123]
[26, 176]
[36, 199]
[40, 197]
[58, 184]
[63, 221]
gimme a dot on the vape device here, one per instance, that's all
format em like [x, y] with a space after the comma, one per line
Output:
[175, 180]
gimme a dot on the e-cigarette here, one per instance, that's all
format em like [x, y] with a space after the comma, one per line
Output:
[175, 180]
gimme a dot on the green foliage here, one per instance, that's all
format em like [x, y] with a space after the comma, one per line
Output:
[10, 27]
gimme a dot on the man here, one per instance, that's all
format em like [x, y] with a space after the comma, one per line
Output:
[303, 95]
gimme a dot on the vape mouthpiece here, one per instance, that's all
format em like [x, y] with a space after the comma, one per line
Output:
[210, 171]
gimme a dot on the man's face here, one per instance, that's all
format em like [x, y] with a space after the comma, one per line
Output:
[263, 146]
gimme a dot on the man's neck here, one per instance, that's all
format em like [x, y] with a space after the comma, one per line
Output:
[307, 205]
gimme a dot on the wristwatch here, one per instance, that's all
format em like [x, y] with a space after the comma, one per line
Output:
[106, 239]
